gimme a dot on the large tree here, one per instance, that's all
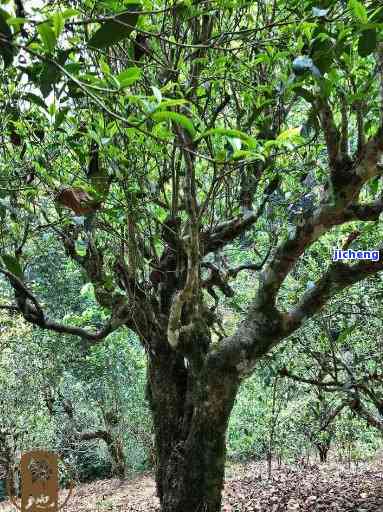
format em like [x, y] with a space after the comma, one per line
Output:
[148, 139]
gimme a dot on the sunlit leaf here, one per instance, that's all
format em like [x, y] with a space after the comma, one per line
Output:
[129, 76]
[358, 10]
[47, 35]
[229, 132]
[175, 117]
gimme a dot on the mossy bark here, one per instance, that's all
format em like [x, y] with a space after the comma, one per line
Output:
[190, 415]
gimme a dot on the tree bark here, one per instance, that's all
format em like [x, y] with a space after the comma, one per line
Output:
[323, 449]
[190, 415]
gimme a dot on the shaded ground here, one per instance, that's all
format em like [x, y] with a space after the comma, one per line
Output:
[318, 489]
[328, 488]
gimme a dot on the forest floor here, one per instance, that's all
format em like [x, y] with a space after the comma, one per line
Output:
[319, 488]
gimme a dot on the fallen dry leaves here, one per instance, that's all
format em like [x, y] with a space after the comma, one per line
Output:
[317, 489]
[325, 488]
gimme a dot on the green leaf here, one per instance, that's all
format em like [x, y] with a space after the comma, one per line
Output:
[51, 74]
[16, 21]
[58, 23]
[12, 264]
[69, 13]
[345, 333]
[229, 132]
[87, 290]
[242, 154]
[173, 103]
[129, 76]
[33, 98]
[47, 35]
[59, 117]
[115, 30]
[157, 93]
[6, 51]
[81, 247]
[367, 42]
[358, 10]
[377, 15]
[374, 185]
[289, 134]
[184, 121]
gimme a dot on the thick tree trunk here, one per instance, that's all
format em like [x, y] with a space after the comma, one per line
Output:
[190, 415]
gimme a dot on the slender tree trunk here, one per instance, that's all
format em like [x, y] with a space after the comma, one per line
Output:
[190, 415]
[323, 449]
[272, 428]
[116, 451]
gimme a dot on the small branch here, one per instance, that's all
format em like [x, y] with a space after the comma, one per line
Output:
[218, 110]
[330, 132]
[350, 239]
[344, 131]
[189, 293]
[334, 386]
[218, 280]
[22, 294]
[20, 248]
[331, 417]
[356, 405]
[233, 272]
[360, 126]
[338, 277]
[98, 434]
[228, 231]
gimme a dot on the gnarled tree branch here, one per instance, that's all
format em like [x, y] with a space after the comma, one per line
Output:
[29, 307]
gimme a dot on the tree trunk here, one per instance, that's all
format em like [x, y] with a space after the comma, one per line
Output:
[269, 464]
[323, 449]
[116, 451]
[190, 416]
